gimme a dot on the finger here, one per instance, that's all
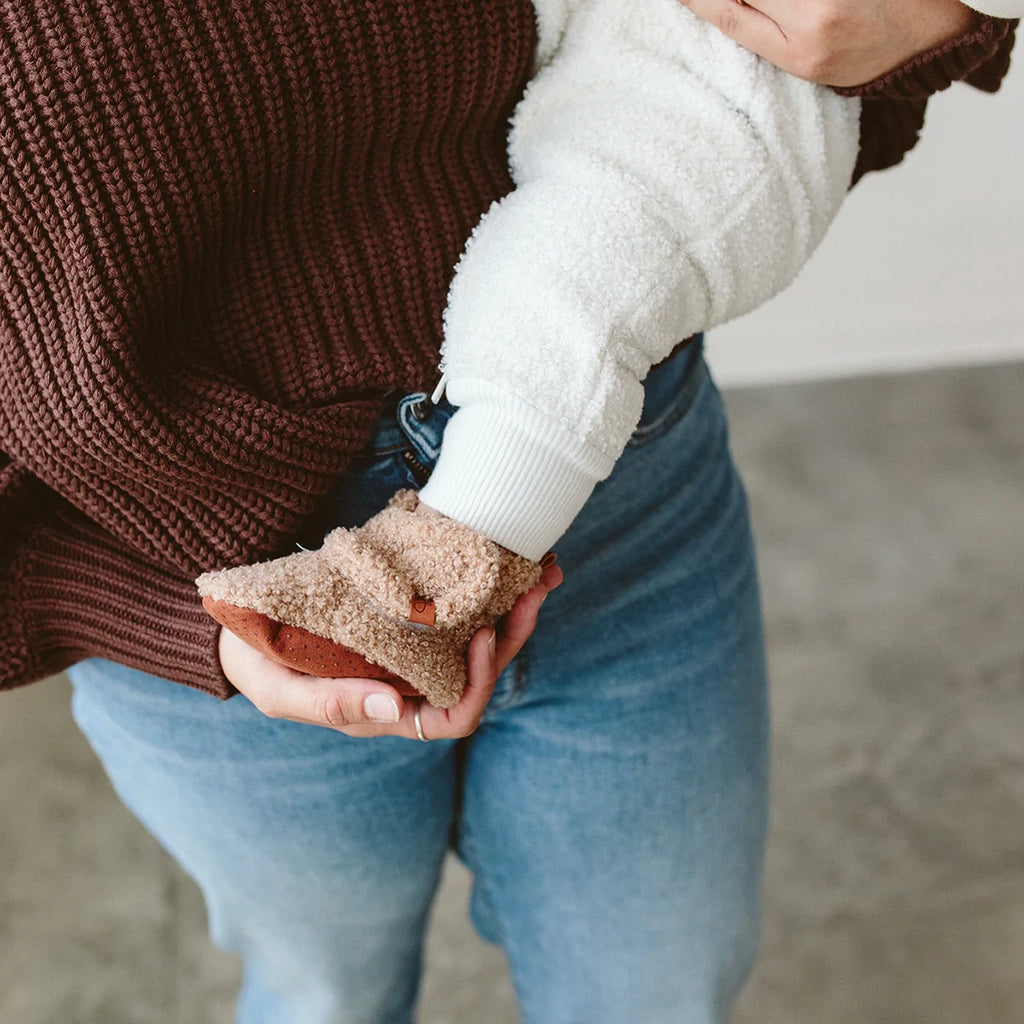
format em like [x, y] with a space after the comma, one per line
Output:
[462, 718]
[518, 625]
[748, 24]
[551, 577]
[344, 703]
[770, 8]
[281, 692]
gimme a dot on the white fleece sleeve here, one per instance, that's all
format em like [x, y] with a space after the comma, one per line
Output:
[666, 181]
[999, 8]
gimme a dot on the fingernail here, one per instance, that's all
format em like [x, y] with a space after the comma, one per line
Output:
[380, 707]
[492, 643]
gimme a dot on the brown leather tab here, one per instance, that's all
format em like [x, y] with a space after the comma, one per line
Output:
[422, 611]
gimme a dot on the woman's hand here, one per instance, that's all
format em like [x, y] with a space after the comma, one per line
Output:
[837, 42]
[368, 707]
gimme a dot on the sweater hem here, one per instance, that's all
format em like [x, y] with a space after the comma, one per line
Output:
[83, 595]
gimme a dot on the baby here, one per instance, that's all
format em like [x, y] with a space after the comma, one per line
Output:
[666, 181]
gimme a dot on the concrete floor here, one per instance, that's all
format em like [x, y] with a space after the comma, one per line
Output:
[889, 512]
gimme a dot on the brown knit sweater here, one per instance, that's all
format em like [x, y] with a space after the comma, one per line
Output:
[226, 229]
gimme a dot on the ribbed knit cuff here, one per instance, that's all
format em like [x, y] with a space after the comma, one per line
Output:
[79, 594]
[510, 472]
[980, 56]
[893, 107]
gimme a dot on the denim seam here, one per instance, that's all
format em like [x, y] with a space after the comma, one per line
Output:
[482, 889]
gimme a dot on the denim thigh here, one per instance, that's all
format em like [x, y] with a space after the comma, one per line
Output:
[614, 799]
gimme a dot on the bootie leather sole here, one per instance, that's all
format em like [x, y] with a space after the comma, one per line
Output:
[299, 649]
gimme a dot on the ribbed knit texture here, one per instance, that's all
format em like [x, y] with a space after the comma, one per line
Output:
[893, 108]
[225, 230]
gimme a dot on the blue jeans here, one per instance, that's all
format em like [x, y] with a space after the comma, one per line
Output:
[611, 805]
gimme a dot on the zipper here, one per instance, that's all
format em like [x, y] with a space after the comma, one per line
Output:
[419, 472]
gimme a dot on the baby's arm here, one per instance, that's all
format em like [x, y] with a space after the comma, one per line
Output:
[666, 181]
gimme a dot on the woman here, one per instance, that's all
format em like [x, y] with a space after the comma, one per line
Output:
[611, 801]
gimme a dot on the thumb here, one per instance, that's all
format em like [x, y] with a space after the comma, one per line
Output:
[281, 692]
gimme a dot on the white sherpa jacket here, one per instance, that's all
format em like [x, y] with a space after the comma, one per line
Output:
[666, 181]
[999, 8]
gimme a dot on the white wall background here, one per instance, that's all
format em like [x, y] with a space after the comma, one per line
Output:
[924, 265]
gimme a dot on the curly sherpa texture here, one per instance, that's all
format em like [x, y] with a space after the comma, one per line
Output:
[358, 588]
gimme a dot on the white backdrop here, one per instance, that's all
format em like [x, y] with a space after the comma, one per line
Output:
[924, 265]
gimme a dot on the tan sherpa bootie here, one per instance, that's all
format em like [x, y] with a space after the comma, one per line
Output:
[398, 599]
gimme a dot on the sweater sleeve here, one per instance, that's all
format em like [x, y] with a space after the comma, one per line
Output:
[666, 181]
[894, 104]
